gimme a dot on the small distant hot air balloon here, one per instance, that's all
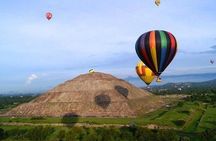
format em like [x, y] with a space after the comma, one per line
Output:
[49, 15]
[158, 80]
[156, 49]
[91, 71]
[212, 61]
[144, 73]
[157, 2]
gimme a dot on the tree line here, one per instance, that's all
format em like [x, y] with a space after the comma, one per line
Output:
[12, 101]
[134, 133]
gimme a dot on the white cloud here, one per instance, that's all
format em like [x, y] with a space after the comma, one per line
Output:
[31, 78]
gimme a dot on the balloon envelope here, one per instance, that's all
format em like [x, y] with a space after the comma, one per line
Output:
[48, 15]
[158, 80]
[156, 49]
[91, 71]
[157, 2]
[144, 73]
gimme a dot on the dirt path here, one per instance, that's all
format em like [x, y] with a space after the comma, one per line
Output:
[60, 124]
[149, 126]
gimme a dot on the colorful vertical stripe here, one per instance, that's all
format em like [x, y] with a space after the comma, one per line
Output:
[163, 50]
[152, 45]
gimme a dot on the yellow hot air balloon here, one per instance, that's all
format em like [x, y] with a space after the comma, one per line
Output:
[158, 79]
[144, 73]
[91, 71]
[157, 2]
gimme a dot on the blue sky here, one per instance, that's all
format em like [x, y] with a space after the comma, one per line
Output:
[37, 54]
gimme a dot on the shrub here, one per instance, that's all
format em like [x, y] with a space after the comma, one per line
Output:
[185, 112]
[180, 104]
[37, 118]
[40, 133]
[167, 135]
[185, 138]
[17, 134]
[61, 135]
[179, 122]
[2, 133]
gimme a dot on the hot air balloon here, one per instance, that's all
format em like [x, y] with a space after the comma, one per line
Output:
[49, 15]
[157, 2]
[91, 71]
[156, 49]
[158, 79]
[144, 73]
[212, 61]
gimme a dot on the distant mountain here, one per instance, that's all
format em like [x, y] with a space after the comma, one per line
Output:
[209, 84]
[175, 79]
[19, 94]
[185, 88]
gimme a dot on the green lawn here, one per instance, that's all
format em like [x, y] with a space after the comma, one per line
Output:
[188, 113]
[193, 121]
[208, 120]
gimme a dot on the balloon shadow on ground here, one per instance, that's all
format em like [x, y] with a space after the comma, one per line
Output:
[70, 119]
[103, 100]
[121, 90]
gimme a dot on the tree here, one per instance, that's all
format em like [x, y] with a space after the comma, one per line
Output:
[2, 133]
[61, 135]
[71, 136]
[167, 135]
[40, 133]
[90, 137]
[17, 133]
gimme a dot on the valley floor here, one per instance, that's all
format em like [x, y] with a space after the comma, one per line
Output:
[191, 120]
[186, 116]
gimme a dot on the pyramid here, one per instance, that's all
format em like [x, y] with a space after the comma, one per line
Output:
[90, 95]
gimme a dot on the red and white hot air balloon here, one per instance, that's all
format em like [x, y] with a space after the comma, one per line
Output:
[49, 15]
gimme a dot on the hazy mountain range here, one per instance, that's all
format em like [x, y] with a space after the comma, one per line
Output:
[139, 83]
[175, 79]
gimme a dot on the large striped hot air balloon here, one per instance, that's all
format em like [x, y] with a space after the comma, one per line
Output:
[144, 73]
[156, 49]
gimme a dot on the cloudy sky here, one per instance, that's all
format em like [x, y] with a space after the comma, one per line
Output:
[37, 54]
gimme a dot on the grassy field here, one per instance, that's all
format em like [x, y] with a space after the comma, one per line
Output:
[208, 120]
[89, 120]
[186, 116]
[188, 119]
